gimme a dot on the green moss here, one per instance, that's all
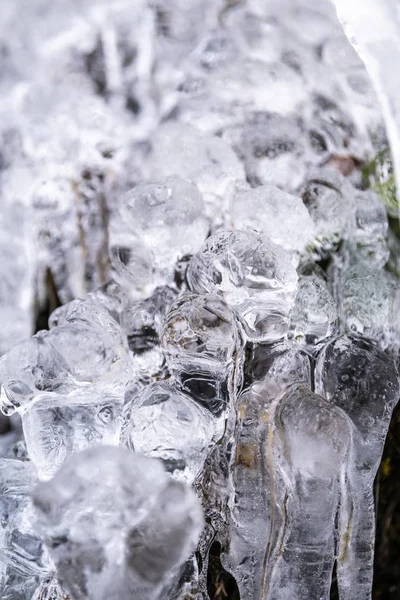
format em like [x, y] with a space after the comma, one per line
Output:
[378, 175]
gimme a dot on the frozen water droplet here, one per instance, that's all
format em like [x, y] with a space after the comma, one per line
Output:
[272, 148]
[368, 242]
[168, 424]
[255, 277]
[272, 368]
[329, 199]
[30, 367]
[201, 343]
[362, 380]
[56, 425]
[367, 297]
[168, 216]
[206, 160]
[315, 315]
[280, 217]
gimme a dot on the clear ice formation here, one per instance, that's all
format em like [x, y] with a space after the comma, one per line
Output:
[164, 222]
[224, 332]
[116, 525]
[256, 278]
[314, 317]
[68, 384]
[369, 242]
[24, 559]
[375, 34]
[280, 217]
[270, 145]
[168, 424]
[162, 414]
[313, 440]
[256, 519]
[359, 378]
[367, 301]
[329, 199]
[202, 345]
[142, 321]
[206, 160]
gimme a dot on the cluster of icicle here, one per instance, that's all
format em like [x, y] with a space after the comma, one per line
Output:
[207, 421]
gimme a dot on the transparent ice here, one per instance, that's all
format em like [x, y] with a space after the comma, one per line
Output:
[130, 545]
[165, 218]
[314, 317]
[69, 384]
[57, 425]
[181, 150]
[280, 217]
[168, 424]
[314, 439]
[270, 145]
[186, 187]
[341, 366]
[24, 560]
[253, 520]
[367, 301]
[142, 321]
[369, 240]
[88, 347]
[28, 368]
[202, 345]
[375, 35]
[274, 367]
[329, 198]
[255, 277]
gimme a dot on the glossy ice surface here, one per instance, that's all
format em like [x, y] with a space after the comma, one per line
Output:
[183, 187]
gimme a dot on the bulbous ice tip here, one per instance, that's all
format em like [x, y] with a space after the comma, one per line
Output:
[120, 520]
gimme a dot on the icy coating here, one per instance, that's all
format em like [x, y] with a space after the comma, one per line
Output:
[375, 33]
[182, 190]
